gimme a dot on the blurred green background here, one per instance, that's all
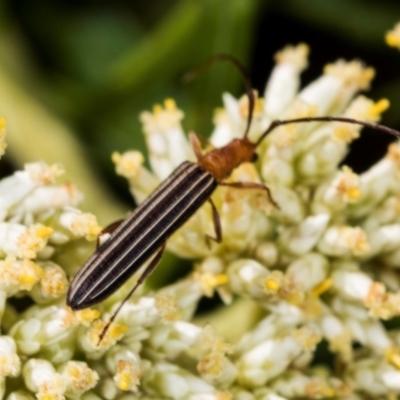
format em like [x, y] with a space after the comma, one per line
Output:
[74, 75]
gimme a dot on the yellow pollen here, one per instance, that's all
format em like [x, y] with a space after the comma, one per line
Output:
[26, 279]
[346, 133]
[355, 238]
[94, 231]
[128, 164]
[43, 231]
[113, 334]
[74, 371]
[87, 315]
[54, 283]
[170, 104]
[124, 382]
[162, 119]
[84, 317]
[116, 330]
[393, 356]
[296, 55]
[351, 73]
[48, 396]
[33, 240]
[392, 38]
[157, 109]
[127, 375]
[354, 193]
[220, 279]
[322, 287]
[209, 282]
[366, 77]
[272, 284]
[2, 123]
[85, 224]
[379, 107]
[29, 274]
[348, 185]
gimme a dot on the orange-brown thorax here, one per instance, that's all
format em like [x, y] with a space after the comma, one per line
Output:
[221, 162]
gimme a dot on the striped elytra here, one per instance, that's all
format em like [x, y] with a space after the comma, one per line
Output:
[144, 231]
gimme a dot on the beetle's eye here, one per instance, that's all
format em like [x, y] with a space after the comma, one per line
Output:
[254, 158]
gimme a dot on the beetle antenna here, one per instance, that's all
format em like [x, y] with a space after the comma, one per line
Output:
[191, 75]
[378, 127]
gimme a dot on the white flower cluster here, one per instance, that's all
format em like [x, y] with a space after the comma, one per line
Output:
[320, 270]
[322, 266]
[42, 237]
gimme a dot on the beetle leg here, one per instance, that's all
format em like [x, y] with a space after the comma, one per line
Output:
[217, 225]
[145, 274]
[252, 185]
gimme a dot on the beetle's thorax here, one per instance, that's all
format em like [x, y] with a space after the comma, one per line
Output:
[221, 162]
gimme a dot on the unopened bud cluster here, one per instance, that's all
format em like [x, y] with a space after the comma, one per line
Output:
[320, 270]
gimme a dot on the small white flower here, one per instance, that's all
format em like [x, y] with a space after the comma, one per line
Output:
[302, 238]
[342, 241]
[10, 363]
[284, 81]
[18, 275]
[22, 242]
[165, 138]
[141, 181]
[53, 283]
[125, 364]
[41, 377]
[80, 224]
[173, 382]
[78, 378]
[270, 358]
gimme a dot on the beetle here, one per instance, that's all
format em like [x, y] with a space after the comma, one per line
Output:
[143, 234]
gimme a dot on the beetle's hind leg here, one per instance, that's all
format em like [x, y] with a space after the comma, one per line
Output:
[217, 225]
[252, 185]
[145, 274]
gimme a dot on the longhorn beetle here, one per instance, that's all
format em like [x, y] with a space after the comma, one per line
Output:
[142, 235]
